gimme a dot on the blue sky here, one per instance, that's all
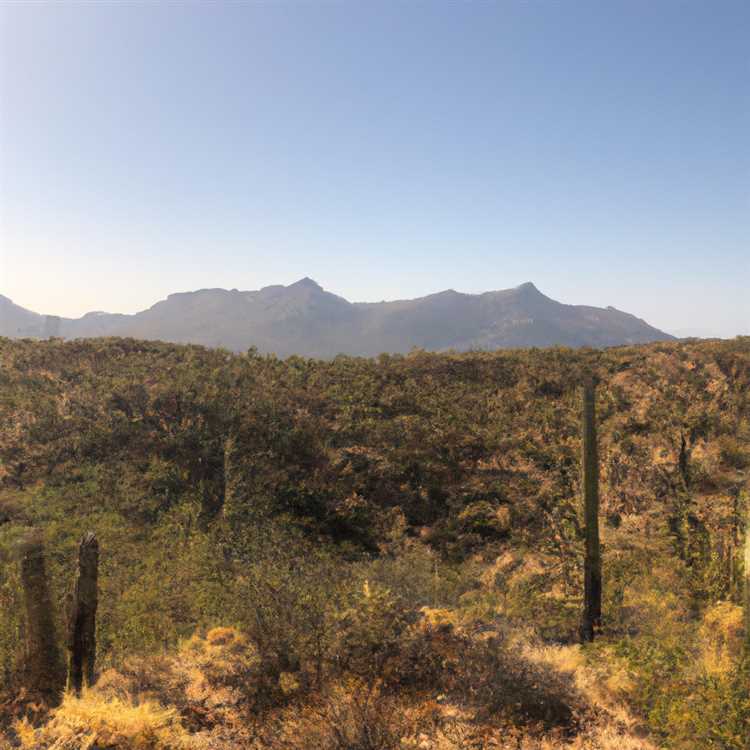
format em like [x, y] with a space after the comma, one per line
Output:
[388, 150]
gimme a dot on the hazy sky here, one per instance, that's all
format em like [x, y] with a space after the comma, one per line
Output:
[388, 150]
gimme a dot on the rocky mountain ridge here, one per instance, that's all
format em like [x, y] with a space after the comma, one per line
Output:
[305, 319]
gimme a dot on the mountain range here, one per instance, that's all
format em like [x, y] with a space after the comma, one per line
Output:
[304, 319]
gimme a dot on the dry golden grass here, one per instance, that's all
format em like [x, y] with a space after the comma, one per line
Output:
[351, 714]
[94, 720]
[606, 691]
[720, 638]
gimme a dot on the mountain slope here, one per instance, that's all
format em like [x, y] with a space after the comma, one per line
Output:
[304, 319]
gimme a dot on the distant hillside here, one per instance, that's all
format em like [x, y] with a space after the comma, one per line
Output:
[304, 319]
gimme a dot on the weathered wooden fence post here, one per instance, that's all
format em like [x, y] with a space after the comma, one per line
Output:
[82, 618]
[43, 665]
[592, 586]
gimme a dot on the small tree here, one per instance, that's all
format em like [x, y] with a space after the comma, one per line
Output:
[82, 620]
[592, 605]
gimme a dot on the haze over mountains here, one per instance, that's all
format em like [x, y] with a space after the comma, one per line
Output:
[304, 319]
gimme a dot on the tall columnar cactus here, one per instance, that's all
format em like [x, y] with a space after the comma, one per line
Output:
[44, 671]
[82, 619]
[592, 605]
[746, 578]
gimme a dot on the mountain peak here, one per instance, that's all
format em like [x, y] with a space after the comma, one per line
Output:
[527, 286]
[306, 283]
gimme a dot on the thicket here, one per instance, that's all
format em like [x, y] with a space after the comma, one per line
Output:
[316, 507]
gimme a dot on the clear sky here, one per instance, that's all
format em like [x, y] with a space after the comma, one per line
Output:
[388, 150]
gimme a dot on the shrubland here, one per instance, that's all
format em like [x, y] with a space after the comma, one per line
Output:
[380, 553]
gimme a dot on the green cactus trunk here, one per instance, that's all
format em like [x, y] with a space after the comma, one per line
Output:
[592, 605]
[746, 579]
[82, 620]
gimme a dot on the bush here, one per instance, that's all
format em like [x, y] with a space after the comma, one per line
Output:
[733, 452]
[503, 682]
[356, 715]
[211, 680]
[710, 712]
[368, 632]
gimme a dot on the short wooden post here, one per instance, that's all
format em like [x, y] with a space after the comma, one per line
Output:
[43, 667]
[82, 619]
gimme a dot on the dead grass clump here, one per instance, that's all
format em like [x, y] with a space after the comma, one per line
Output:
[503, 681]
[354, 715]
[213, 680]
[94, 720]
[720, 638]
[494, 675]
[216, 674]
